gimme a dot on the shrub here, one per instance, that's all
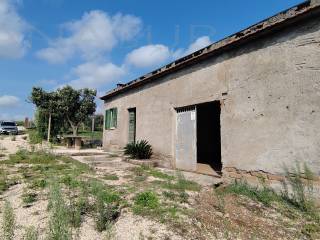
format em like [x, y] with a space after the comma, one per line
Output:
[139, 150]
[13, 138]
[8, 222]
[34, 137]
[31, 234]
[300, 183]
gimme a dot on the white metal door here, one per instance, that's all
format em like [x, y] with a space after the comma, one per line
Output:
[186, 147]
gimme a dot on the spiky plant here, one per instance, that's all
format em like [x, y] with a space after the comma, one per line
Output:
[139, 150]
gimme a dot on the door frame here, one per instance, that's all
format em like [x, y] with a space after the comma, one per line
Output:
[132, 110]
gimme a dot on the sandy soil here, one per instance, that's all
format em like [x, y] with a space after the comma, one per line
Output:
[227, 217]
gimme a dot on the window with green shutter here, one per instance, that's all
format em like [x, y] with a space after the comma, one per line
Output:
[111, 118]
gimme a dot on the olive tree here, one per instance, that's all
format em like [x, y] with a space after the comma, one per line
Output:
[46, 102]
[76, 105]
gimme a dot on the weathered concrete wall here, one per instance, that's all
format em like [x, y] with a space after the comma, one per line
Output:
[270, 116]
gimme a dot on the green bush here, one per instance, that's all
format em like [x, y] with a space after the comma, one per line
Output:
[139, 150]
[8, 222]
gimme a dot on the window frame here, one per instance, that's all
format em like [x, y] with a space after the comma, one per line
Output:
[111, 118]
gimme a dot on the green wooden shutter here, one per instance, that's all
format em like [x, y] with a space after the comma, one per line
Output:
[115, 113]
[106, 120]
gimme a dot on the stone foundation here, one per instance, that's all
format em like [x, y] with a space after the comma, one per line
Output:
[257, 177]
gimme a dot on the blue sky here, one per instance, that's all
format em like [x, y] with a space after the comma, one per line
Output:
[98, 43]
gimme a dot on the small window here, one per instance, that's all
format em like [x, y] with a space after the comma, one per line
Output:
[111, 118]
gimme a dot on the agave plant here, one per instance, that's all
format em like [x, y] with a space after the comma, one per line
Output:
[139, 150]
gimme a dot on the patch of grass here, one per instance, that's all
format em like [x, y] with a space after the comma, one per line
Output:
[38, 184]
[4, 184]
[29, 197]
[24, 156]
[147, 199]
[140, 178]
[59, 215]
[8, 222]
[105, 213]
[31, 234]
[111, 177]
[264, 195]
[311, 230]
[169, 195]
[158, 174]
[70, 181]
[182, 197]
[298, 189]
[181, 185]
[138, 171]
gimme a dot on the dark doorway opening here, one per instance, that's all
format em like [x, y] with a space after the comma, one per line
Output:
[209, 135]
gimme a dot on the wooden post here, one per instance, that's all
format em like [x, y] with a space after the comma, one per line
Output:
[93, 119]
[49, 127]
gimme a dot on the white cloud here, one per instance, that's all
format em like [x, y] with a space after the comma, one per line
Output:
[94, 75]
[200, 43]
[8, 101]
[91, 36]
[149, 55]
[13, 42]
[154, 55]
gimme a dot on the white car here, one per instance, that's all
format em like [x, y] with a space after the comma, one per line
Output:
[8, 127]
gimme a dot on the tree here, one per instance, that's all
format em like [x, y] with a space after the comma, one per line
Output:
[76, 105]
[46, 102]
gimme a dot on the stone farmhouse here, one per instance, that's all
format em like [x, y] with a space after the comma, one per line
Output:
[246, 105]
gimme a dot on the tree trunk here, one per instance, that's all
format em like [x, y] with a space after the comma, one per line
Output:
[49, 127]
[92, 126]
[74, 130]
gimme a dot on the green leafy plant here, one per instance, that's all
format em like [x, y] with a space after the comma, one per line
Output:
[139, 150]
[8, 222]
